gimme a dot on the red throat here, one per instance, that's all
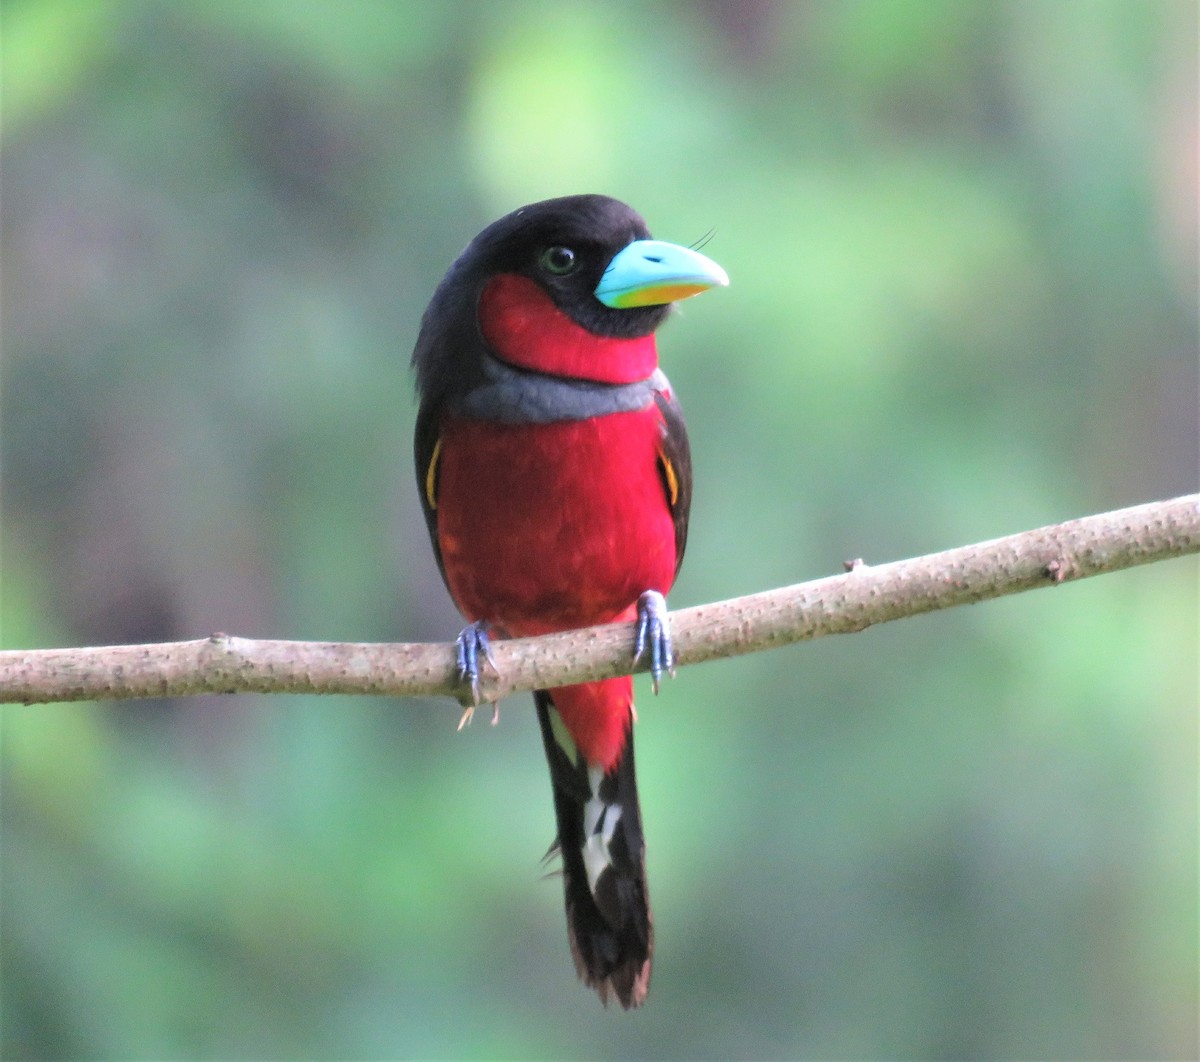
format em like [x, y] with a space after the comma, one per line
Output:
[523, 326]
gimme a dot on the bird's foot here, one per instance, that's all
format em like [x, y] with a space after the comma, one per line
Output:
[654, 631]
[472, 644]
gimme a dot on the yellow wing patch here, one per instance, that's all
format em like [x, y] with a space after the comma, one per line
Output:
[431, 476]
[670, 480]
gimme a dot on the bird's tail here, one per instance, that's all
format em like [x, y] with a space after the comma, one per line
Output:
[600, 841]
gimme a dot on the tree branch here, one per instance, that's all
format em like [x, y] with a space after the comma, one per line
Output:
[851, 602]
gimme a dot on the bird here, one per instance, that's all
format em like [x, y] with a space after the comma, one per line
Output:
[555, 476]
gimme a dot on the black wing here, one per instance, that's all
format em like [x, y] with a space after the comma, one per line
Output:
[675, 464]
[427, 451]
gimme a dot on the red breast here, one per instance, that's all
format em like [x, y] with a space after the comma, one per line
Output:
[546, 527]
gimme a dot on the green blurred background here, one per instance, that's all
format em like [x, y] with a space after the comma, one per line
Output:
[962, 238]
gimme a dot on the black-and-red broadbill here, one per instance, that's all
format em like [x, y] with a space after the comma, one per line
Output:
[554, 472]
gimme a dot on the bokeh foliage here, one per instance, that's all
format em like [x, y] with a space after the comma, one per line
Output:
[962, 237]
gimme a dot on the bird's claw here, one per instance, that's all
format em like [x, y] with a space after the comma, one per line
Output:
[472, 643]
[654, 631]
[469, 714]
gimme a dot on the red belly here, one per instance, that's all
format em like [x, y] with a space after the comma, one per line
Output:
[546, 527]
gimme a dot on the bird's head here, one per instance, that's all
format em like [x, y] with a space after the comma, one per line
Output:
[571, 288]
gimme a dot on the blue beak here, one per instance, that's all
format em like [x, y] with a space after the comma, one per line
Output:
[651, 273]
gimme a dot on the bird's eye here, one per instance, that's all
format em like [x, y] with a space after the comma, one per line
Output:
[558, 260]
